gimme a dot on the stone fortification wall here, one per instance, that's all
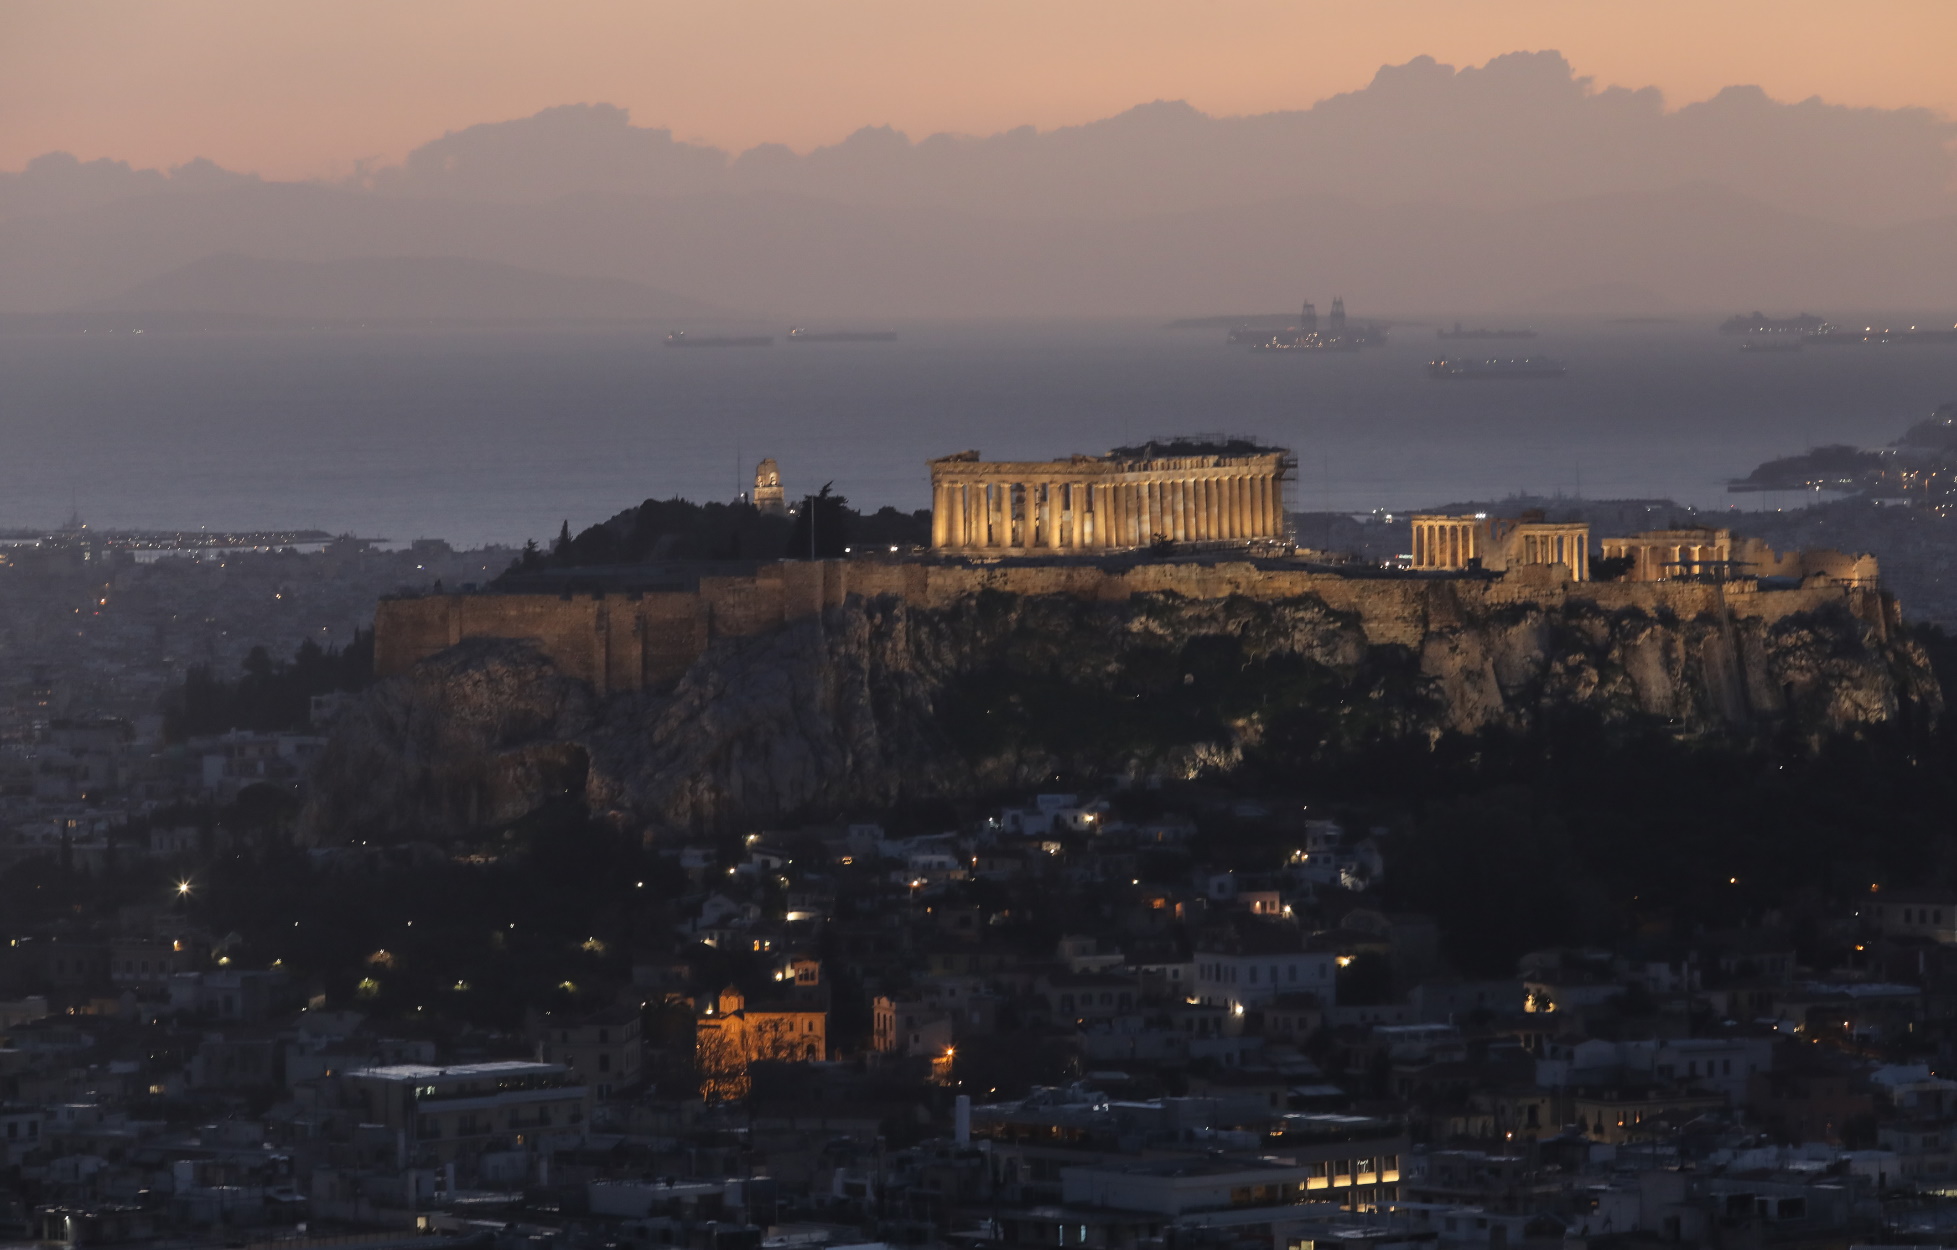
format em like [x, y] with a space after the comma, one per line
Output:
[630, 641]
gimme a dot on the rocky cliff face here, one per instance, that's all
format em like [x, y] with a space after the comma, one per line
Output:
[877, 703]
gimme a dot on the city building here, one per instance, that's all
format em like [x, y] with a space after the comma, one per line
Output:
[445, 1113]
[604, 1049]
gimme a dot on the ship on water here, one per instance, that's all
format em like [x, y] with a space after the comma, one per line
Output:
[1758, 323]
[680, 338]
[1337, 335]
[1832, 337]
[800, 335]
[1480, 333]
[1463, 369]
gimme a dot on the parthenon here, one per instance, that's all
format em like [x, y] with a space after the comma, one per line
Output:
[1182, 491]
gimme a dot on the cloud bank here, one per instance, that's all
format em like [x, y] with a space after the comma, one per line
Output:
[1521, 129]
[1513, 184]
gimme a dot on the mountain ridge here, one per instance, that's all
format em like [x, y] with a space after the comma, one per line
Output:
[1702, 247]
[368, 288]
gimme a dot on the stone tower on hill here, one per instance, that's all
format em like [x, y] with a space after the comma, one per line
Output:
[768, 494]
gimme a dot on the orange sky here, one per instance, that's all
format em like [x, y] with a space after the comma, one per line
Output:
[301, 88]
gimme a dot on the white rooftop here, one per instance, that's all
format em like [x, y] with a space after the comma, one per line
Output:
[459, 1071]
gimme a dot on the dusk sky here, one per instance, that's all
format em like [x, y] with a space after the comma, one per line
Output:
[308, 90]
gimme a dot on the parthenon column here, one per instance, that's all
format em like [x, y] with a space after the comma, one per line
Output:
[1056, 496]
[1179, 496]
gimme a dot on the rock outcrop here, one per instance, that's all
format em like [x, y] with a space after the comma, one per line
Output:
[878, 702]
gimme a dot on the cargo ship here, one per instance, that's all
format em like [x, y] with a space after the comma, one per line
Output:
[799, 335]
[1760, 323]
[1456, 369]
[1476, 333]
[1914, 334]
[680, 338]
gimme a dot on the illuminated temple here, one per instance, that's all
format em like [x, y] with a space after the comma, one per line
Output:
[1183, 491]
[1497, 544]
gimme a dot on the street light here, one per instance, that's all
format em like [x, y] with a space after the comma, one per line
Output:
[183, 889]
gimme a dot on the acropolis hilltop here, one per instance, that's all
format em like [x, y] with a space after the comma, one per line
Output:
[1199, 518]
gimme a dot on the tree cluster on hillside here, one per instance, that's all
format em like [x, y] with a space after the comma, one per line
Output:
[679, 529]
[270, 695]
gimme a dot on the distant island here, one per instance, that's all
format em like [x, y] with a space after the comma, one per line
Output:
[1920, 467]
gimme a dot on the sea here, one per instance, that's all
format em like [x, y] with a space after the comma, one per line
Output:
[485, 436]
